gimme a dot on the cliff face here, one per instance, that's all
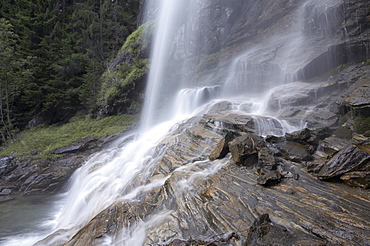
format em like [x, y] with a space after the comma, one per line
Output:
[329, 34]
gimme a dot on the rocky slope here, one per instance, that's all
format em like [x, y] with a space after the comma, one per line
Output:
[225, 184]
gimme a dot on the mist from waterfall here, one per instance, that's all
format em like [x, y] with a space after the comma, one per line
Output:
[123, 171]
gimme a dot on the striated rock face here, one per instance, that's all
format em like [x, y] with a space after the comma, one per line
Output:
[258, 193]
[229, 201]
[225, 183]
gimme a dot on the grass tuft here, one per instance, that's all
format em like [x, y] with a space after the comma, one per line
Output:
[42, 141]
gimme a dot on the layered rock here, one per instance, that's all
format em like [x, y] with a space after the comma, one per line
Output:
[349, 159]
[229, 201]
[222, 200]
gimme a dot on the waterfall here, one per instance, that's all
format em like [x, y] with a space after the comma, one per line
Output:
[123, 173]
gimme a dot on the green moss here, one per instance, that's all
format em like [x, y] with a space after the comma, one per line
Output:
[136, 73]
[343, 132]
[344, 119]
[122, 79]
[138, 41]
[125, 75]
[44, 140]
[362, 125]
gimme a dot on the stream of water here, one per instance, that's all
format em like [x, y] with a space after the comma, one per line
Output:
[122, 172]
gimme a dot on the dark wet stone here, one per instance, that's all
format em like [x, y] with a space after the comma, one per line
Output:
[269, 178]
[244, 149]
[6, 198]
[68, 149]
[294, 151]
[303, 135]
[265, 232]
[317, 135]
[332, 145]
[222, 148]
[7, 164]
[320, 118]
[224, 240]
[358, 97]
[351, 158]
[274, 139]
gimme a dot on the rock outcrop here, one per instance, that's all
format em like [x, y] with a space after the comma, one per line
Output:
[225, 184]
[351, 158]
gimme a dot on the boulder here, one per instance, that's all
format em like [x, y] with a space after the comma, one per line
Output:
[357, 97]
[244, 149]
[266, 160]
[298, 94]
[222, 148]
[195, 143]
[351, 158]
[79, 146]
[294, 151]
[301, 135]
[5, 192]
[332, 145]
[231, 122]
[320, 118]
[265, 232]
[269, 178]
[7, 164]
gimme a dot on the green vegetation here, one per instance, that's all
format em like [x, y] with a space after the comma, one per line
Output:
[42, 141]
[53, 54]
[137, 44]
[131, 68]
[362, 125]
[343, 132]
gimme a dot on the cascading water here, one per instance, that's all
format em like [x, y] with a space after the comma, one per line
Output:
[124, 173]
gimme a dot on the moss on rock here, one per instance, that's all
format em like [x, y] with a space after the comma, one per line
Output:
[123, 82]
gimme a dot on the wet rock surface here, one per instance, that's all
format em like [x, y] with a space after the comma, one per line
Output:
[350, 158]
[257, 192]
[222, 178]
[33, 175]
[302, 212]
